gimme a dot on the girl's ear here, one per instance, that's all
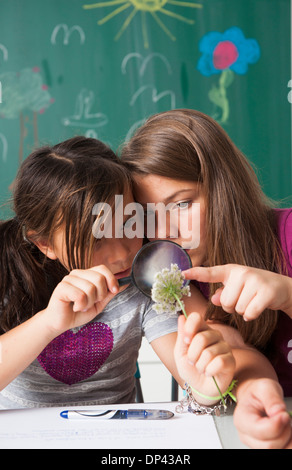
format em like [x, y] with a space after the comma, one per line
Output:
[43, 245]
[46, 248]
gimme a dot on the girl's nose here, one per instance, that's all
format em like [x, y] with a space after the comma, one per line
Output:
[166, 226]
[120, 251]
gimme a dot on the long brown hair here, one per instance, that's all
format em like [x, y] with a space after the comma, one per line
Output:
[187, 145]
[55, 186]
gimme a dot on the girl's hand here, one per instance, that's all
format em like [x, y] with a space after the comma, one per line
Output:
[79, 297]
[260, 416]
[201, 353]
[247, 291]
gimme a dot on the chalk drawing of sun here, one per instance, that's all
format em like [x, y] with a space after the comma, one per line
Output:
[153, 7]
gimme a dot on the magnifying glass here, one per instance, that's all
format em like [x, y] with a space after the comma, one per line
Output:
[151, 259]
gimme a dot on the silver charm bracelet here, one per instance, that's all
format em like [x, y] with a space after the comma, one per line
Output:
[188, 403]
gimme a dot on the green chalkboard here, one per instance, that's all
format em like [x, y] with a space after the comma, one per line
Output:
[99, 69]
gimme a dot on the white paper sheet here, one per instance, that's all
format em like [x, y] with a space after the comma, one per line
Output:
[43, 428]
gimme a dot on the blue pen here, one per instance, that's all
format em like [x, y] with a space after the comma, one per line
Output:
[116, 414]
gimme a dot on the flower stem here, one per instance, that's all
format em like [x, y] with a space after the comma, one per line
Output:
[219, 391]
[180, 303]
[184, 312]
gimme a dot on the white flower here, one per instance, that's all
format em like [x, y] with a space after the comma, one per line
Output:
[168, 289]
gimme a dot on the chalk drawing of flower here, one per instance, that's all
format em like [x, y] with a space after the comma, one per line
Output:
[226, 54]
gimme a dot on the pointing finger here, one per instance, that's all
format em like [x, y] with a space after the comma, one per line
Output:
[210, 274]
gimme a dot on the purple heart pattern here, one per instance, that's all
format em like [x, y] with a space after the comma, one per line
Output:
[73, 357]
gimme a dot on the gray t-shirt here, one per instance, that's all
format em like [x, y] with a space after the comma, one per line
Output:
[94, 364]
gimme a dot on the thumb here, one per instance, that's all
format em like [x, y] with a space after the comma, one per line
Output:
[271, 395]
[275, 407]
[187, 330]
[216, 298]
[182, 344]
[100, 305]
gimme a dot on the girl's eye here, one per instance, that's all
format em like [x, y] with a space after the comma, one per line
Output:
[182, 205]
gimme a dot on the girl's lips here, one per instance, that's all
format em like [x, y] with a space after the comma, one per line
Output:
[125, 273]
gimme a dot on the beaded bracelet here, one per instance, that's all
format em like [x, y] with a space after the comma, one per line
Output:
[193, 406]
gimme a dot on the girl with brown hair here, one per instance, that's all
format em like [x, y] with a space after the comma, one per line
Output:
[183, 157]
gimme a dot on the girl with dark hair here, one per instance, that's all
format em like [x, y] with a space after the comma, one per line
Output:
[69, 334]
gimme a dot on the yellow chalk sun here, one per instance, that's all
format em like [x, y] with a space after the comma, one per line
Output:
[144, 6]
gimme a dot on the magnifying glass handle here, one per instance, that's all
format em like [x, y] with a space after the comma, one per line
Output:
[124, 280]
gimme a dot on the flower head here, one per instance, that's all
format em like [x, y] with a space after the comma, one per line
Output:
[228, 50]
[168, 290]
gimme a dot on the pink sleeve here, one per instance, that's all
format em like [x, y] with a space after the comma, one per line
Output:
[285, 235]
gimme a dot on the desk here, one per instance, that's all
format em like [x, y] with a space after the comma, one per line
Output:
[227, 432]
[44, 428]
